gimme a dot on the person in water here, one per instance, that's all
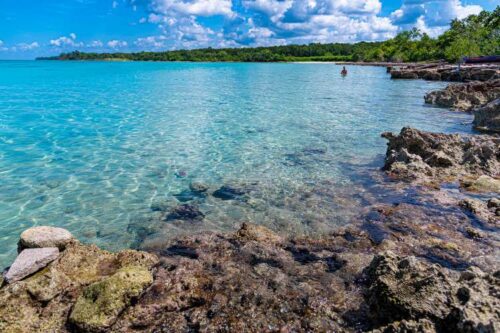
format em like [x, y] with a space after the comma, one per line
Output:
[344, 71]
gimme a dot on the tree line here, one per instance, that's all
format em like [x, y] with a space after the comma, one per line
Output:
[473, 36]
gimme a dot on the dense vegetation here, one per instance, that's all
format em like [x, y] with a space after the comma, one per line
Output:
[472, 36]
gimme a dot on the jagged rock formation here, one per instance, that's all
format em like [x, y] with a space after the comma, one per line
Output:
[465, 96]
[448, 73]
[433, 157]
[487, 118]
[418, 293]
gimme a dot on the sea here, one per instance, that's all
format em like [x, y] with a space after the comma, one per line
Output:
[110, 150]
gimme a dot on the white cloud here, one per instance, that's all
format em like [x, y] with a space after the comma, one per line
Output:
[356, 6]
[260, 33]
[65, 41]
[431, 16]
[95, 43]
[268, 22]
[27, 46]
[115, 44]
[193, 7]
[114, 4]
[273, 8]
[154, 42]
[1, 42]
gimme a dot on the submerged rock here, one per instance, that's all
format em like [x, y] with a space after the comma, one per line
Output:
[186, 212]
[465, 96]
[232, 192]
[198, 187]
[426, 157]
[101, 303]
[487, 118]
[30, 261]
[45, 236]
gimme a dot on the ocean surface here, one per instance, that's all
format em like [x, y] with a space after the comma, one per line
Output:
[108, 149]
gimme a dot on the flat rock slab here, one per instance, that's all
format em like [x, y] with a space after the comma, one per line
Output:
[44, 236]
[30, 261]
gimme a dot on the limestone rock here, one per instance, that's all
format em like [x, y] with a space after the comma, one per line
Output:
[425, 156]
[487, 118]
[101, 303]
[404, 288]
[45, 236]
[30, 261]
[465, 96]
[479, 302]
[408, 290]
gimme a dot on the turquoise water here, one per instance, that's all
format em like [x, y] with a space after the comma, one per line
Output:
[93, 146]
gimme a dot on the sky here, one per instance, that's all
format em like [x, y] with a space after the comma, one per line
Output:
[31, 28]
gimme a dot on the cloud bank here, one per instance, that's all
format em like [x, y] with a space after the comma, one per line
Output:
[274, 22]
[236, 23]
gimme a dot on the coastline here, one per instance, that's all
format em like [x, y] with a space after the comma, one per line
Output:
[367, 276]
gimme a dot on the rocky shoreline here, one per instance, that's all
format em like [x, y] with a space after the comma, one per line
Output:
[251, 280]
[426, 261]
[445, 72]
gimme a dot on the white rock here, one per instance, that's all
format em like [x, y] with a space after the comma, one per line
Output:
[30, 261]
[44, 236]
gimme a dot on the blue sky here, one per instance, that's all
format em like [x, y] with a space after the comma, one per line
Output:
[32, 28]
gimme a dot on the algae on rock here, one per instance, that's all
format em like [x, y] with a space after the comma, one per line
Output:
[101, 303]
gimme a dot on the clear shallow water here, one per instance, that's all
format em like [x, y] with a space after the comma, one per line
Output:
[91, 146]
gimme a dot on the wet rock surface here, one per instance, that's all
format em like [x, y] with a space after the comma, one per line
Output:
[487, 118]
[185, 212]
[466, 96]
[433, 157]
